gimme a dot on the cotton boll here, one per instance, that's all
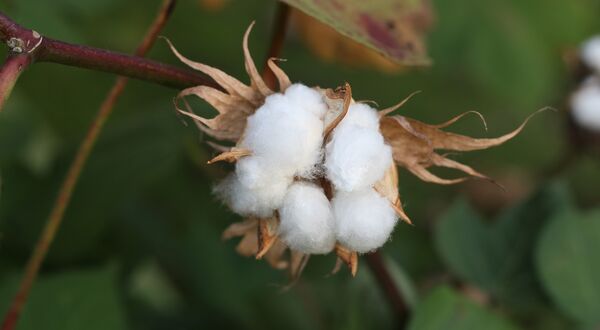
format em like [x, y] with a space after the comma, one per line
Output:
[590, 53]
[362, 115]
[307, 223]
[259, 202]
[364, 220]
[286, 136]
[309, 99]
[585, 104]
[257, 172]
[356, 158]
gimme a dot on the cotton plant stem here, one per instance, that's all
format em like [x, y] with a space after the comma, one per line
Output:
[66, 190]
[9, 73]
[388, 287]
[280, 25]
[43, 49]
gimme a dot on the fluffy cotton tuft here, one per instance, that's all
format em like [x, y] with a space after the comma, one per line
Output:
[307, 223]
[585, 104]
[309, 99]
[590, 53]
[364, 219]
[356, 157]
[260, 202]
[361, 115]
[286, 134]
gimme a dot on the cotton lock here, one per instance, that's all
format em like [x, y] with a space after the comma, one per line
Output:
[306, 219]
[364, 220]
[585, 104]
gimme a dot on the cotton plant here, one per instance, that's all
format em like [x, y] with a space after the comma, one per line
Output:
[315, 170]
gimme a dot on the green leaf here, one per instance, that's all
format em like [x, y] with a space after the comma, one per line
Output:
[498, 257]
[393, 28]
[569, 265]
[82, 299]
[446, 309]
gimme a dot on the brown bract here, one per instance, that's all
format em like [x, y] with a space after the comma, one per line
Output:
[259, 239]
[236, 102]
[415, 143]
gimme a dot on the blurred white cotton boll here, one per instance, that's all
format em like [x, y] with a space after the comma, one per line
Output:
[259, 202]
[309, 99]
[286, 136]
[307, 223]
[585, 104]
[590, 53]
[356, 158]
[364, 219]
[362, 115]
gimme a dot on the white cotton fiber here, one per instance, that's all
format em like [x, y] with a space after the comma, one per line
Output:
[590, 53]
[260, 202]
[309, 99]
[364, 219]
[356, 157]
[585, 104]
[307, 223]
[286, 135]
[361, 115]
[257, 172]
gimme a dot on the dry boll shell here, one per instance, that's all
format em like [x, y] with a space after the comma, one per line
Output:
[236, 102]
[414, 144]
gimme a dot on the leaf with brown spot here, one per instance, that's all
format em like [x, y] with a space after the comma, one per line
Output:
[395, 29]
[414, 144]
[332, 47]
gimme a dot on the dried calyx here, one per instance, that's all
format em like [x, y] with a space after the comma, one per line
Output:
[315, 171]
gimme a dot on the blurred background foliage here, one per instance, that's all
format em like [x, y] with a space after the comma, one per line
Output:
[140, 246]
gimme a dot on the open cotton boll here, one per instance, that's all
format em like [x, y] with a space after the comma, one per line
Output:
[259, 202]
[590, 53]
[361, 115]
[286, 136]
[257, 172]
[585, 104]
[364, 220]
[306, 219]
[309, 99]
[356, 158]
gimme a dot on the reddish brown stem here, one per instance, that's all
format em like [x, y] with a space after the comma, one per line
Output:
[388, 287]
[9, 73]
[44, 49]
[277, 38]
[66, 190]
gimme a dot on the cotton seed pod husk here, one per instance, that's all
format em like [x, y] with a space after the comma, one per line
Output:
[236, 101]
[414, 144]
